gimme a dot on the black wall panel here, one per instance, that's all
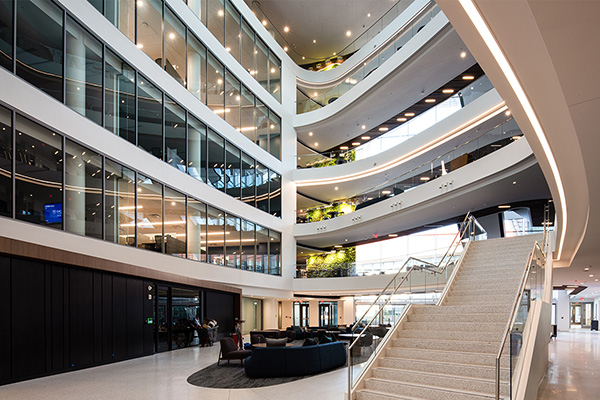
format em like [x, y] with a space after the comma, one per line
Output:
[81, 317]
[107, 318]
[27, 319]
[135, 318]
[219, 306]
[97, 315]
[119, 331]
[57, 330]
[148, 313]
[5, 349]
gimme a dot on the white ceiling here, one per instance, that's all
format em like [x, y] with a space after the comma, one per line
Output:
[325, 21]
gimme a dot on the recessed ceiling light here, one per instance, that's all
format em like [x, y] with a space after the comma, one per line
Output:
[314, 40]
[140, 46]
[448, 91]
[468, 77]
[363, 127]
[400, 119]
[343, 147]
[285, 49]
[338, 246]
[369, 15]
[383, 129]
[586, 269]
[336, 188]
[171, 35]
[504, 206]
[365, 137]
[591, 275]
[463, 54]
[355, 143]
[303, 57]
[516, 137]
[315, 94]
[386, 192]
[286, 29]
[507, 113]
[348, 34]
[393, 235]
[424, 178]
[409, 114]
[429, 100]
[264, 22]
[220, 13]
[310, 133]
[316, 144]
[596, 280]
[514, 182]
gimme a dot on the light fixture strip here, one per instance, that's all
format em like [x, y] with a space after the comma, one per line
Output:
[490, 41]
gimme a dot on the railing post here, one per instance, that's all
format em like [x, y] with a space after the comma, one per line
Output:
[497, 378]
[349, 373]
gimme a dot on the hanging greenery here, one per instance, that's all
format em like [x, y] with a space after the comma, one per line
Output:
[334, 264]
[332, 211]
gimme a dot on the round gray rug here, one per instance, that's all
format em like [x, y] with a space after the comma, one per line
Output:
[232, 376]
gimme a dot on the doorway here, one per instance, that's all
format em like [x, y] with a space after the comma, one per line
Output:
[328, 313]
[581, 315]
[301, 316]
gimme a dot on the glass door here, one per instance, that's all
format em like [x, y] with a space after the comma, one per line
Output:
[163, 319]
[576, 315]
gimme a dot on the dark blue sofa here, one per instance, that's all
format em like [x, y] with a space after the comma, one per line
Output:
[269, 362]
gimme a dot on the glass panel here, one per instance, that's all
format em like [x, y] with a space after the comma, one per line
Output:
[83, 183]
[175, 57]
[248, 245]
[247, 47]
[216, 19]
[174, 134]
[275, 194]
[248, 127]
[232, 101]
[262, 249]
[275, 77]
[6, 34]
[216, 160]
[121, 14]
[232, 172]
[233, 35]
[233, 227]
[5, 162]
[150, 123]
[274, 253]
[98, 4]
[40, 45]
[196, 148]
[196, 59]
[196, 229]
[185, 311]
[198, 8]
[262, 125]
[119, 96]
[215, 86]
[149, 214]
[39, 164]
[119, 201]
[215, 235]
[149, 28]
[262, 187]
[248, 180]
[262, 63]
[83, 72]
[175, 223]
[274, 135]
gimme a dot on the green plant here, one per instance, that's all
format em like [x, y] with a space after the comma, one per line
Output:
[338, 263]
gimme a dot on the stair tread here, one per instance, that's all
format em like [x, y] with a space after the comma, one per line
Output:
[443, 351]
[445, 363]
[438, 374]
[441, 388]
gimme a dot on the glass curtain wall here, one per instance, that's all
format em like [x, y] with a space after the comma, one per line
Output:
[175, 48]
[150, 118]
[6, 34]
[175, 135]
[106, 200]
[119, 97]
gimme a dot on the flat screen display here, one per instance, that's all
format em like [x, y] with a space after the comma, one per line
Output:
[53, 213]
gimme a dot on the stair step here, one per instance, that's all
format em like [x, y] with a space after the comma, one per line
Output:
[423, 391]
[444, 380]
[459, 309]
[454, 326]
[450, 368]
[470, 300]
[448, 345]
[451, 317]
[485, 359]
[449, 335]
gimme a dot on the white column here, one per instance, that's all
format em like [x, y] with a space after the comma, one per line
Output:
[563, 311]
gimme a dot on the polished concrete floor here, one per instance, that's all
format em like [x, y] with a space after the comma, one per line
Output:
[163, 376]
[573, 373]
[574, 367]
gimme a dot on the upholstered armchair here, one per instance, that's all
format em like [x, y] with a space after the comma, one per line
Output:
[229, 351]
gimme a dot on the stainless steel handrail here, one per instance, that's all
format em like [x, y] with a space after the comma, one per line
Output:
[466, 223]
[517, 301]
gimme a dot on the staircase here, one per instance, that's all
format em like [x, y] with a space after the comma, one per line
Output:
[449, 351]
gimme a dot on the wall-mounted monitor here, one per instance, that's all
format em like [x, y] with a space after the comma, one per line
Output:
[53, 213]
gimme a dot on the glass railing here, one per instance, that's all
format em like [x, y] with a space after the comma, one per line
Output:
[416, 276]
[403, 131]
[472, 150]
[530, 290]
[309, 98]
[356, 44]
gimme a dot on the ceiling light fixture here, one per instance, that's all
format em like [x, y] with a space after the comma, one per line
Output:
[401, 119]
[355, 143]
[448, 91]
[363, 127]
[343, 147]
[425, 178]
[463, 54]
[393, 235]
[348, 34]
[365, 137]
[384, 129]
[429, 100]
[504, 206]
[286, 29]
[310, 133]
[285, 48]
[386, 192]
[409, 114]
[316, 144]
[314, 40]
[264, 22]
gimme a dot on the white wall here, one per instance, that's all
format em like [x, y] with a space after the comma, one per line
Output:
[269, 314]
[563, 311]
